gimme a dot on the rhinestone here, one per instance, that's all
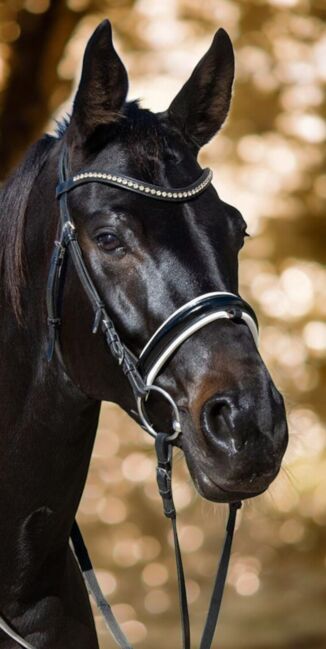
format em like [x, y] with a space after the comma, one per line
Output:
[109, 177]
[164, 194]
[135, 186]
[130, 184]
[147, 190]
[175, 195]
[141, 187]
[185, 194]
[169, 195]
[180, 194]
[124, 181]
[119, 180]
[158, 193]
[153, 191]
[114, 178]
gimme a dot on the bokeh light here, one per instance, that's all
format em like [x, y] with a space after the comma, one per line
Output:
[268, 161]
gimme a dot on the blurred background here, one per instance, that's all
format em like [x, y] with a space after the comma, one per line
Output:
[268, 161]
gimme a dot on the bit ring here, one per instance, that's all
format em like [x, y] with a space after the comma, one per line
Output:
[176, 424]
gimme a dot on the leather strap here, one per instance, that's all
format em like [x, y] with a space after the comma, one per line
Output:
[121, 181]
[12, 634]
[94, 588]
[164, 481]
[217, 594]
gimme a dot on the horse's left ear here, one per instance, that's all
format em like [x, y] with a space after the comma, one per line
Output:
[202, 105]
[103, 86]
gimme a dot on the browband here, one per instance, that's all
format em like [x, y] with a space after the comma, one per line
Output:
[174, 194]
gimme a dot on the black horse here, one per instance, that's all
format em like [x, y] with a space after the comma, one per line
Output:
[146, 258]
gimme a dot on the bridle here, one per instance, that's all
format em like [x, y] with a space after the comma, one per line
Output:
[141, 373]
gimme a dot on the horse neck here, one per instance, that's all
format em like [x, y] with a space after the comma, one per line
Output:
[47, 425]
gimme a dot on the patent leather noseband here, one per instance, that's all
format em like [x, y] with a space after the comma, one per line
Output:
[141, 373]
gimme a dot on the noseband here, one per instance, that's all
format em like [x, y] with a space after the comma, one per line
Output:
[141, 373]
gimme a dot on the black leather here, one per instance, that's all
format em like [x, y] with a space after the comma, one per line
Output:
[166, 194]
[189, 316]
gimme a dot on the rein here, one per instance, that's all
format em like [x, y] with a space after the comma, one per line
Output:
[141, 374]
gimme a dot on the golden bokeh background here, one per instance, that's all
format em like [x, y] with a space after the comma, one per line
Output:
[268, 161]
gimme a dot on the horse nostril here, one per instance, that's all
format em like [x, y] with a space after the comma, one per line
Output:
[216, 421]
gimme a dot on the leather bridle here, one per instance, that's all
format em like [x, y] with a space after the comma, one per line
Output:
[141, 373]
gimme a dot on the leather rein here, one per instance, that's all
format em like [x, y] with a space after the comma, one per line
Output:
[141, 374]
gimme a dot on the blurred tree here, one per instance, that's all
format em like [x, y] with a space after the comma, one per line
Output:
[36, 33]
[34, 57]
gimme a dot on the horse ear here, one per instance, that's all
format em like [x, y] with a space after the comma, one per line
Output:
[103, 85]
[202, 105]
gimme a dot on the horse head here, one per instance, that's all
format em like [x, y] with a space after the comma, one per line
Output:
[147, 258]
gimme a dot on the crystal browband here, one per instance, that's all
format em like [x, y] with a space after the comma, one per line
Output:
[176, 194]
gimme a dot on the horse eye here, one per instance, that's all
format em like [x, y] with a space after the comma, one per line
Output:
[108, 241]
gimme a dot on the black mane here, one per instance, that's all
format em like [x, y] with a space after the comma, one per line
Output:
[13, 204]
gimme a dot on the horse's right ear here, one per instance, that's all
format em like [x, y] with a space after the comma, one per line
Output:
[201, 106]
[102, 89]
